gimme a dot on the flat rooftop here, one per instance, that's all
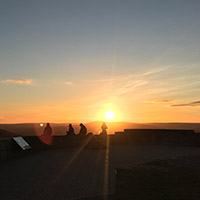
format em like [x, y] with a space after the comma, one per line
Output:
[77, 173]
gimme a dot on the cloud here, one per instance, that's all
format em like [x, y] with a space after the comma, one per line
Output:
[69, 83]
[2, 119]
[155, 70]
[102, 80]
[117, 86]
[120, 85]
[193, 103]
[19, 81]
[130, 85]
[158, 101]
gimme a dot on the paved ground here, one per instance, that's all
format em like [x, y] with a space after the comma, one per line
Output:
[66, 174]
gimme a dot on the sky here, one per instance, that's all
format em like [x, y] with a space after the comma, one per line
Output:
[72, 60]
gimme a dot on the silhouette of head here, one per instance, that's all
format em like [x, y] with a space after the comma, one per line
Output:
[81, 124]
[48, 124]
[70, 125]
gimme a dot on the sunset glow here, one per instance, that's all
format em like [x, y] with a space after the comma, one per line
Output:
[88, 87]
[138, 60]
[109, 115]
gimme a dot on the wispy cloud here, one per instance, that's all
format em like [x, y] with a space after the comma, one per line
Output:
[123, 84]
[2, 119]
[102, 80]
[19, 81]
[193, 103]
[131, 85]
[69, 83]
[155, 70]
[118, 86]
[159, 101]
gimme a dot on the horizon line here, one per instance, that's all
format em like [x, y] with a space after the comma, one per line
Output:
[167, 122]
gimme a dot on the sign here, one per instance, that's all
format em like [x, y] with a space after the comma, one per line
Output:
[22, 143]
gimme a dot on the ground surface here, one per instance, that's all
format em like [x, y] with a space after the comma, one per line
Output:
[168, 179]
[66, 174]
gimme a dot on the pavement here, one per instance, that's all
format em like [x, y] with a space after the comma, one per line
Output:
[76, 173]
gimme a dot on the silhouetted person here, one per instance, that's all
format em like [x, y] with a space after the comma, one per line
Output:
[83, 130]
[71, 130]
[104, 127]
[48, 130]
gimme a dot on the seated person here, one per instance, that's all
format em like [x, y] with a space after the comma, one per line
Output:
[47, 130]
[83, 130]
[71, 130]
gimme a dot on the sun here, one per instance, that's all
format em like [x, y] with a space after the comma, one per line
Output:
[109, 115]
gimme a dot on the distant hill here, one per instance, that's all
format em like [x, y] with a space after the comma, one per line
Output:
[6, 134]
[95, 127]
[186, 126]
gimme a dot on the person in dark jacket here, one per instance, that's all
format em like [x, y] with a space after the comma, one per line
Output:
[104, 127]
[48, 130]
[83, 130]
[71, 130]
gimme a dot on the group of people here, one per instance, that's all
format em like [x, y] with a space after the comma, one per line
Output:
[83, 130]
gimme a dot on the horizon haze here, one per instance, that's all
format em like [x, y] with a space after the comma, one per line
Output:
[35, 129]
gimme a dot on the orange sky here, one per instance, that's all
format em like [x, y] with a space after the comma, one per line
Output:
[71, 61]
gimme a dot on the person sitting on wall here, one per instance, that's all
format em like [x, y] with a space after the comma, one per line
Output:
[104, 127]
[71, 130]
[47, 130]
[83, 130]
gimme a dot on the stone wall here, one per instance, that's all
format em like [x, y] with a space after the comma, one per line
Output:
[10, 149]
[157, 136]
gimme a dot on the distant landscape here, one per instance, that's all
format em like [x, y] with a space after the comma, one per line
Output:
[31, 129]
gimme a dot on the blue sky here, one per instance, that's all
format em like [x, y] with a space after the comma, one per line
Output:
[86, 56]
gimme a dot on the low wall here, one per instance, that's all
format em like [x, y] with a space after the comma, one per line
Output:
[157, 136]
[10, 149]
